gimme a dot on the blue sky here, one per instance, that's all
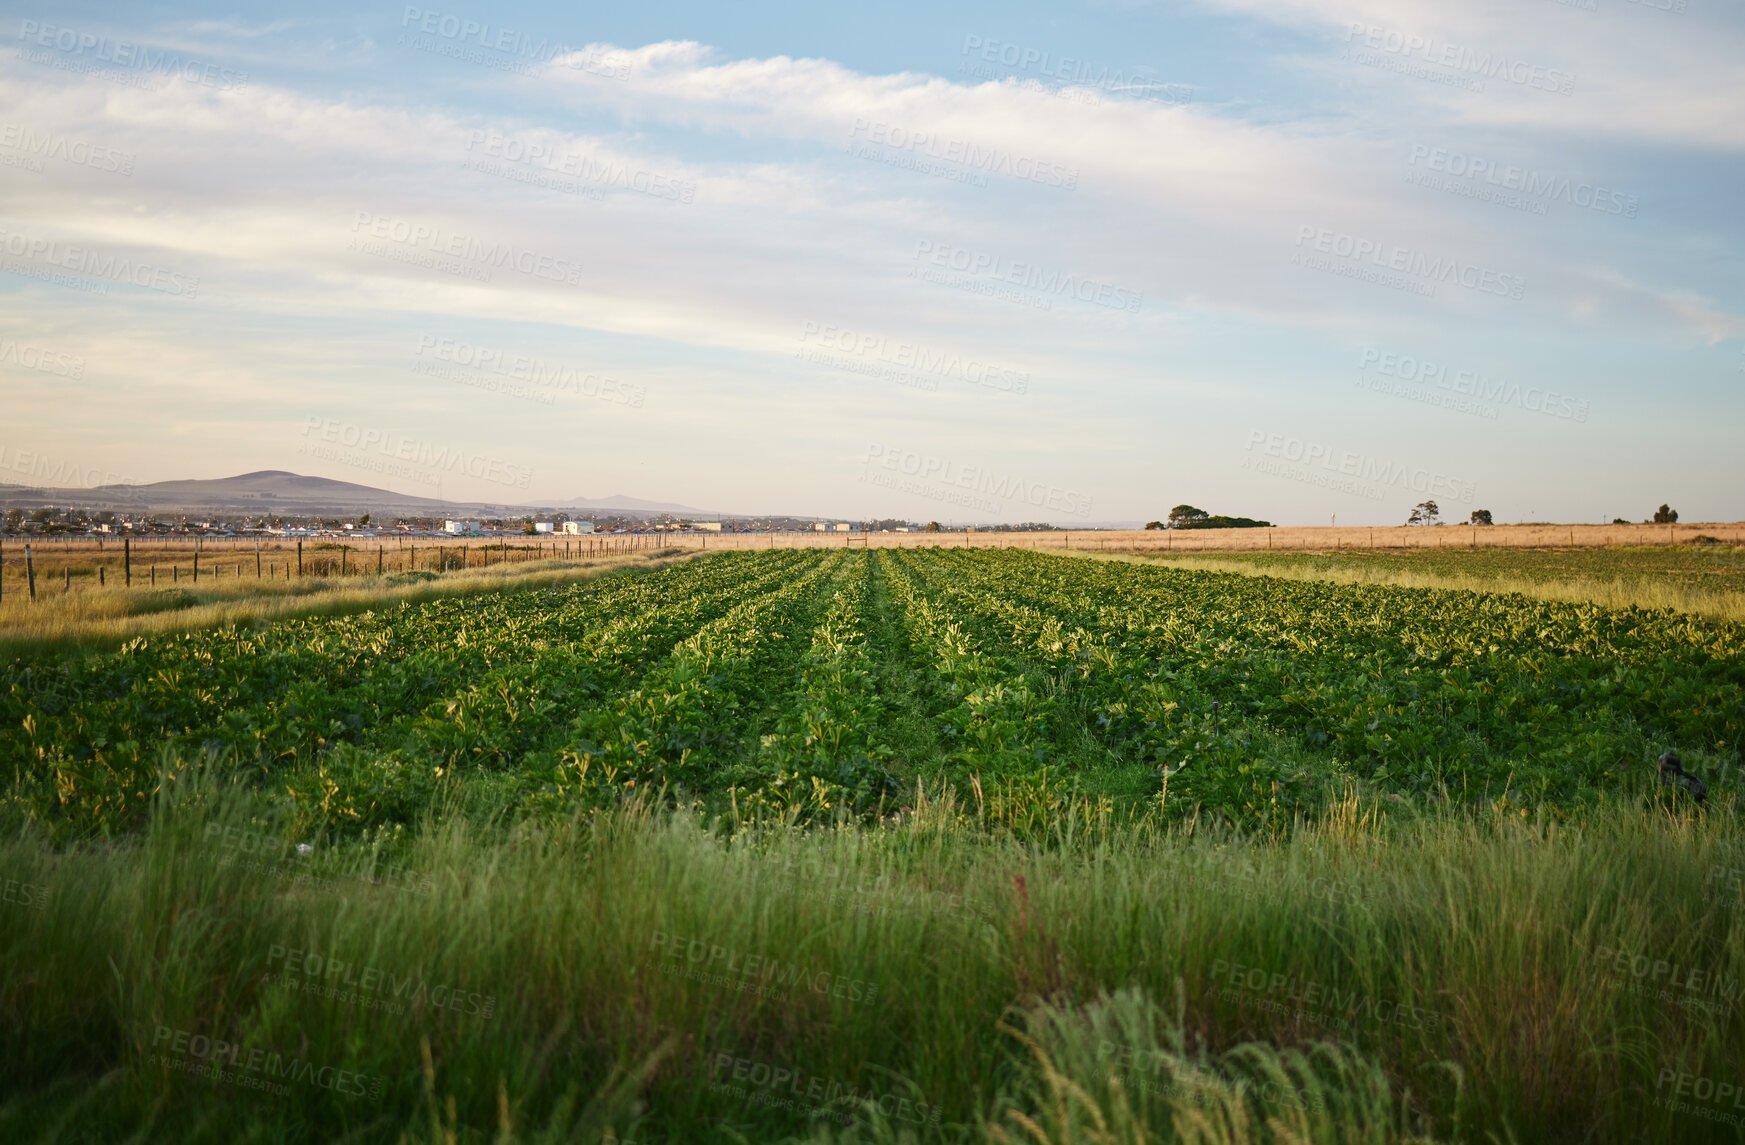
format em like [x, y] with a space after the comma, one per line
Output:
[1295, 259]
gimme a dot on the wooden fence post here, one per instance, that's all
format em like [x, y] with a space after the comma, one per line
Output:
[127, 560]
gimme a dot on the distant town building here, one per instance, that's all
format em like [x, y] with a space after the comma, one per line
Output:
[458, 527]
[820, 526]
[574, 528]
[842, 527]
[542, 526]
[707, 526]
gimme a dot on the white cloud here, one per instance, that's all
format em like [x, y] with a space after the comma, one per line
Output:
[258, 191]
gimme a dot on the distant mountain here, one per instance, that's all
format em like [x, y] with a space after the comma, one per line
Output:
[620, 503]
[292, 494]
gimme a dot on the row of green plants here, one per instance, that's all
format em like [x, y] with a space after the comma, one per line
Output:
[994, 717]
[1440, 694]
[361, 719]
[757, 675]
[830, 737]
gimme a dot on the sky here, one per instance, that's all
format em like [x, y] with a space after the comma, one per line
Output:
[1300, 260]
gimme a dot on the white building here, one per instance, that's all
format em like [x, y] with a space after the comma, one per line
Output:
[706, 526]
[459, 527]
[820, 526]
[842, 527]
[574, 528]
[542, 526]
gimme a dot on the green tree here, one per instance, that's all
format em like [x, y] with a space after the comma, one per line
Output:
[1425, 513]
[933, 526]
[1186, 517]
[1665, 515]
[1480, 517]
[1154, 524]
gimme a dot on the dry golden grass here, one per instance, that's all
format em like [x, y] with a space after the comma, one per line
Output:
[1615, 593]
[1298, 538]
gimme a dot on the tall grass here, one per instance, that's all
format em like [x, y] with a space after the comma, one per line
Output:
[659, 975]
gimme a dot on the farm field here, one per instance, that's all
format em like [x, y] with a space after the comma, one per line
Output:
[1705, 577]
[901, 844]
[84, 601]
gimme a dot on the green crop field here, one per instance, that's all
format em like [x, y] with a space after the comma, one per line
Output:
[1710, 567]
[925, 844]
[1707, 578]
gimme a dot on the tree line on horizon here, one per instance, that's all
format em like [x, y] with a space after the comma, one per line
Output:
[1423, 513]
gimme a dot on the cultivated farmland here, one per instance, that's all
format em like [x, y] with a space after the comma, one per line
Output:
[897, 844]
